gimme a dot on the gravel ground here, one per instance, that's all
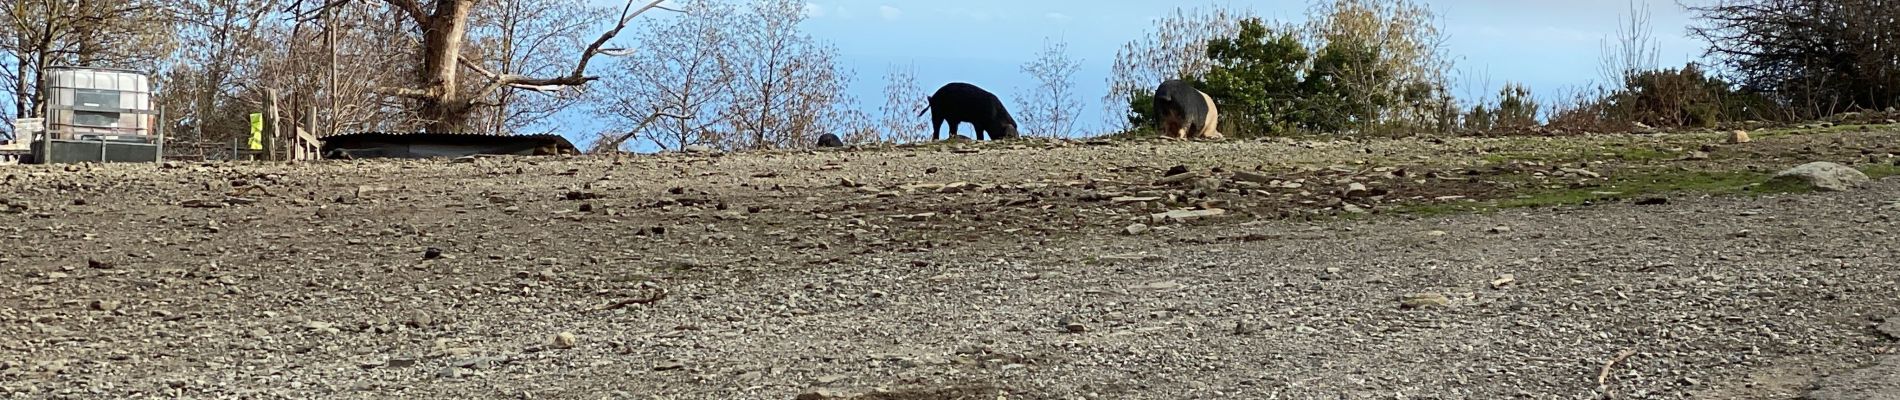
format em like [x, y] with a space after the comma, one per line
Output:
[962, 272]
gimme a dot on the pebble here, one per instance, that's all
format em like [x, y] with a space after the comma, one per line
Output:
[105, 305]
[451, 372]
[1071, 325]
[823, 394]
[1500, 229]
[1356, 190]
[1424, 300]
[565, 340]
[1503, 280]
[1135, 229]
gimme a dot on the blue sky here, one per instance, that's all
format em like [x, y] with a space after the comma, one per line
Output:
[1548, 44]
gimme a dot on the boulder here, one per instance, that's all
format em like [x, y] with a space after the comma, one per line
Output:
[1825, 176]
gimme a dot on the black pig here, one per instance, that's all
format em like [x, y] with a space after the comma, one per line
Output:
[962, 102]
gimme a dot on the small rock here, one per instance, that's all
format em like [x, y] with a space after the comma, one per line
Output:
[1503, 280]
[1243, 176]
[830, 379]
[1437, 233]
[1178, 179]
[451, 372]
[1424, 300]
[1243, 328]
[96, 264]
[565, 340]
[824, 394]
[1652, 201]
[201, 203]
[1135, 229]
[697, 149]
[431, 253]
[668, 366]
[1164, 285]
[1176, 170]
[1697, 155]
[1891, 327]
[1825, 176]
[1500, 229]
[1738, 137]
[1071, 325]
[1185, 215]
[1583, 172]
[104, 305]
[1356, 190]
[400, 362]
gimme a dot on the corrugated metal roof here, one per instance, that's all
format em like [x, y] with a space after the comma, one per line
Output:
[361, 140]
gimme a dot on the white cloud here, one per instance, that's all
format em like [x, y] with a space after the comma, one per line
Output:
[813, 10]
[965, 13]
[890, 13]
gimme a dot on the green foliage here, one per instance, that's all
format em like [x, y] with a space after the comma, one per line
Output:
[1515, 109]
[1359, 66]
[1141, 109]
[1256, 78]
[1336, 103]
[1671, 98]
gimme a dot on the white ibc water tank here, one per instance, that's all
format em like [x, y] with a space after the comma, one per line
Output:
[90, 102]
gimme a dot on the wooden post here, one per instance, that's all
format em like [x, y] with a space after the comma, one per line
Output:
[304, 152]
[271, 127]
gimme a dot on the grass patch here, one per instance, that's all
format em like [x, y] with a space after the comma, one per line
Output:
[1628, 188]
[1877, 171]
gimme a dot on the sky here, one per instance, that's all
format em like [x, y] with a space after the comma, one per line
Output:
[1550, 45]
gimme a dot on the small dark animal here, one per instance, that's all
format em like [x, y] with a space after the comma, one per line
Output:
[1185, 111]
[960, 102]
[830, 140]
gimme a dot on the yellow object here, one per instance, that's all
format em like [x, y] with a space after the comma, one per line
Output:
[257, 131]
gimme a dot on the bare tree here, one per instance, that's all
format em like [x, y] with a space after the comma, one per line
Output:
[218, 44]
[37, 34]
[784, 82]
[530, 38]
[438, 95]
[1635, 48]
[1407, 80]
[904, 98]
[733, 74]
[1051, 107]
[672, 92]
[1176, 48]
[1817, 55]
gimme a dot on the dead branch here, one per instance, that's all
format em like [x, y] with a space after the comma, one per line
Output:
[1603, 378]
[661, 295]
[403, 92]
[579, 76]
[615, 144]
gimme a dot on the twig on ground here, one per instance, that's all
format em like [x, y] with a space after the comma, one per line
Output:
[628, 302]
[1603, 378]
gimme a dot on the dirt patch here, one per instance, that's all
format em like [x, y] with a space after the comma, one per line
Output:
[1010, 264]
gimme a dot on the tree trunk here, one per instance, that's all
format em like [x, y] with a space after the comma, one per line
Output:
[446, 110]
